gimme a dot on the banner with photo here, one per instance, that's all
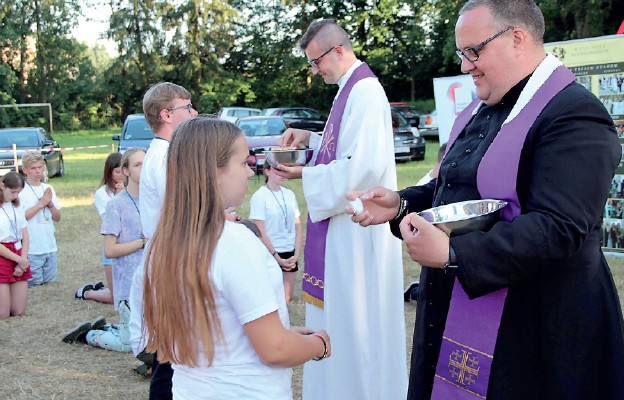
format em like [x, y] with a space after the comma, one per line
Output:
[598, 64]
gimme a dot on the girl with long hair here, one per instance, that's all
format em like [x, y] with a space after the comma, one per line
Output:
[112, 182]
[213, 296]
[14, 265]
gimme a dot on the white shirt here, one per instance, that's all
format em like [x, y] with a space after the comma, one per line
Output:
[152, 185]
[12, 221]
[278, 210]
[40, 227]
[248, 285]
[101, 199]
[152, 194]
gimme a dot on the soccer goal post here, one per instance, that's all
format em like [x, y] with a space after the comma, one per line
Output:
[48, 105]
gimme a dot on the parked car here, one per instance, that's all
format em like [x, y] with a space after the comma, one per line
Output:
[136, 132]
[300, 117]
[233, 113]
[262, 133]
[428, 125]
[37, 139]
[408, 112]
[408, 144]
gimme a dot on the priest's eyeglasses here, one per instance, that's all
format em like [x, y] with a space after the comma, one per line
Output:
[472, 53]
[315, 63]
[189, 107]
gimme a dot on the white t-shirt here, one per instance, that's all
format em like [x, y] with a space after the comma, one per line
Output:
[152, 185]
[12, 221]
[40, 227]
[101, 199]
[248, 285]
[278, 210]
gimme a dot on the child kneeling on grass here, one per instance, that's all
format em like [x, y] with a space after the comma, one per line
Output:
[42, 211]
[14, 265]
[123, 243]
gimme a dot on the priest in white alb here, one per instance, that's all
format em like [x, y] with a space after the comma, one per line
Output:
[353, 277]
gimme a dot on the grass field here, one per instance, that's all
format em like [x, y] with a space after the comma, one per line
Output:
[35, 364]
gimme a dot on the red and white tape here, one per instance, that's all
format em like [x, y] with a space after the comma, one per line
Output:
[61, 148]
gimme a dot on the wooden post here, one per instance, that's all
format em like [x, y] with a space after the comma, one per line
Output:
[15, 158]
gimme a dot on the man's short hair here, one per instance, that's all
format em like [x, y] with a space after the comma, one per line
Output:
[327, 32]
[158, 97]
[517, 13]
[31, 157]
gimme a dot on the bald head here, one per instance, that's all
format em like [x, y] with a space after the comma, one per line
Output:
[326, 33]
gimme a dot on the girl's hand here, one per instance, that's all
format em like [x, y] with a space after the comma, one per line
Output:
[119, 186]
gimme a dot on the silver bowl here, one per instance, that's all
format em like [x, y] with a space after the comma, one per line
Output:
[465, 216]
[288, 157]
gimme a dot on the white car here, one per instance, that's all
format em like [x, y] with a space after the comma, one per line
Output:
[234, 113]
[428, 124]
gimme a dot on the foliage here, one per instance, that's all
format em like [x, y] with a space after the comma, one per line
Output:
[236, 52]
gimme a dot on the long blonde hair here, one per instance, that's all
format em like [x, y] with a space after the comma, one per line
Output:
[179, 298]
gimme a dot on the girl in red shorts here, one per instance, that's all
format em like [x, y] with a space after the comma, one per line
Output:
[14, 268]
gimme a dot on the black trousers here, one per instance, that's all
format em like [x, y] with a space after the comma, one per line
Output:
[160, 383]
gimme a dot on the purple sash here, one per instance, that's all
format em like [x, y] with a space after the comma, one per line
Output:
[313, 282]
[467, 350]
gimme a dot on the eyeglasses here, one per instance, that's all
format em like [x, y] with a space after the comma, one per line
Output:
[188, 107]
[315, 63]
[472, 53]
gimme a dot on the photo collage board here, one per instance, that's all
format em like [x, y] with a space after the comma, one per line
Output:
[598, 64]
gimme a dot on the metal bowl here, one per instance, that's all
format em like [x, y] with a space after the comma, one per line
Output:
[288, 157]
[465, 216]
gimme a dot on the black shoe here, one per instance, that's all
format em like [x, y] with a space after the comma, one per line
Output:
[411, 293]
[98, 286]
[98, 322]
[146, 358]
[78, 334]
[81, 291]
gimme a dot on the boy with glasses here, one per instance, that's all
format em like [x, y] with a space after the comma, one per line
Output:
[165, 106]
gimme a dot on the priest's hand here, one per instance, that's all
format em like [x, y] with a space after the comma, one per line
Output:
[380, 205]
[289, 172]
[293, 137]
[426, 244]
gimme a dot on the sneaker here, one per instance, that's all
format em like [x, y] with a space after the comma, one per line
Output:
[81, 291]
[411, 293]
[78, 334]
[98, 322]
[98, 286]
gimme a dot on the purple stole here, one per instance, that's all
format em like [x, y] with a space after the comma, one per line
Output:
[467, 350]
[313, 282]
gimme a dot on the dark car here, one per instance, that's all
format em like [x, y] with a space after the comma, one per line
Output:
[36, 139]
[262, 133]
[300, 117]
[408, 112]
[408, 144]
[136, 132]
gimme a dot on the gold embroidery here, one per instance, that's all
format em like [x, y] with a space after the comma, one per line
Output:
[313, 280]
[463, 368]
[329, 145]
[459, 387]
[308, 298]
[469, 348]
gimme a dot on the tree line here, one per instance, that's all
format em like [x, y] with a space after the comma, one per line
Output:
[237, 52]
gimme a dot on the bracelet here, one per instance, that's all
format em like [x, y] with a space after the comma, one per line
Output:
[274, 253]
[324, 345]
[403, 204]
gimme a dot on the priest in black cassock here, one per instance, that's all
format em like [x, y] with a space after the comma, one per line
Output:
[528, 308]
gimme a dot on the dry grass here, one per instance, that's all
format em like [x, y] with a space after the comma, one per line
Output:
[35, 364]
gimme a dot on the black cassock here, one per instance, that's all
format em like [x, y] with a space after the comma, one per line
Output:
[561, 333]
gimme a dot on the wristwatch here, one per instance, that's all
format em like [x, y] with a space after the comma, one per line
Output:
[450, 267]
